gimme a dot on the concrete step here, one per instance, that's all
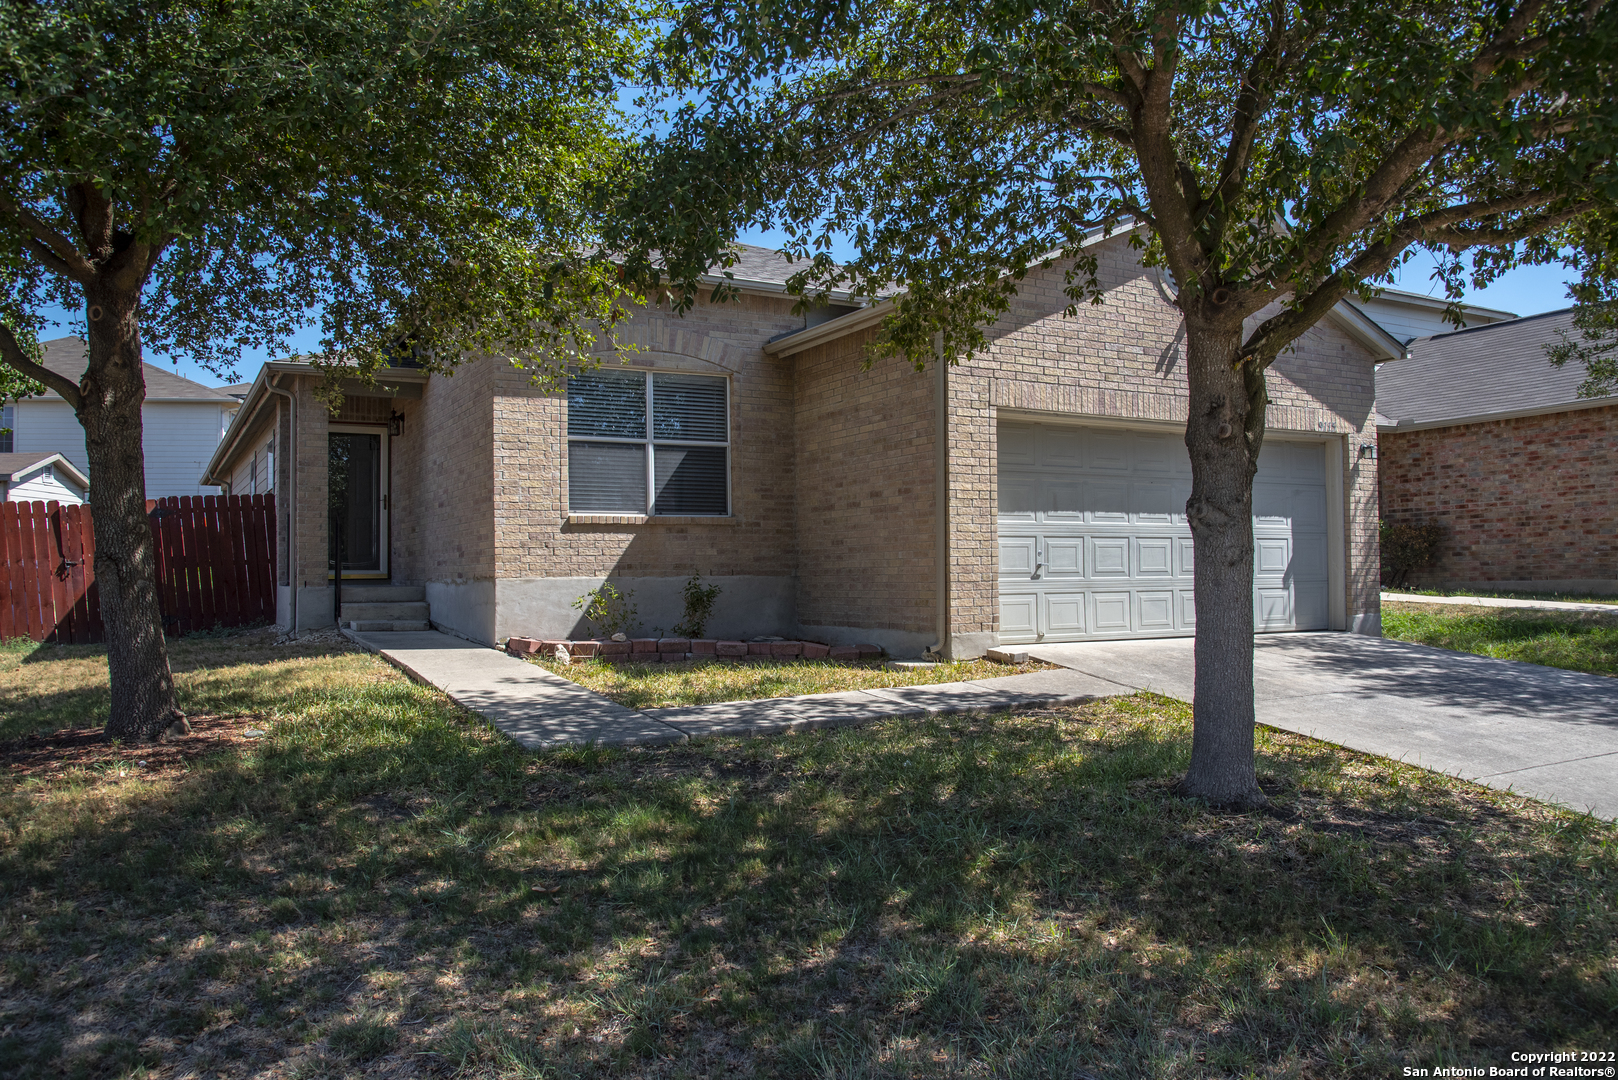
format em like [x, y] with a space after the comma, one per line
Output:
[374, 626]
[384, 610]
[383, 594]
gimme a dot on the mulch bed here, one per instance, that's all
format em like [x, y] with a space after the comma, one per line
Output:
[87, 748]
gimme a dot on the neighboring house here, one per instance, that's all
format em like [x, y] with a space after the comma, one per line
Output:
[1408, 316]
[182, 421]
[1035, 493]
[1481, 434]
[43, 477]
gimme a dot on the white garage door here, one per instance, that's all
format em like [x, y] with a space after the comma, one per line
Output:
[1094, 543]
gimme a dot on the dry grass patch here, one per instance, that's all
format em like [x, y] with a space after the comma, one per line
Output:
[703, 682]
[380, 886]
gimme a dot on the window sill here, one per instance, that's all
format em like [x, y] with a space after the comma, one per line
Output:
[656, 519]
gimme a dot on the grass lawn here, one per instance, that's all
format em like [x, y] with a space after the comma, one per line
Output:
[1575, 640]
[1565, 598]
[700, 682]
[379, 885]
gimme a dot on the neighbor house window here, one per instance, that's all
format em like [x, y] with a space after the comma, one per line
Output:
[5, 430]
[648, 443]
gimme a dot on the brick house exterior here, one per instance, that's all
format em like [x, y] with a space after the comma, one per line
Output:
[1480, 434]
[859, 508]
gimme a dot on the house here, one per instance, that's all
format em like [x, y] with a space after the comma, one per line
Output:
[182, 421]
[1035, 493]
[41, 477]
[1408, 315]
[1481, 434]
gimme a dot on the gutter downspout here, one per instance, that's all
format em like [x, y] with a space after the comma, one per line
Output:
[941, 495]
[291, 452]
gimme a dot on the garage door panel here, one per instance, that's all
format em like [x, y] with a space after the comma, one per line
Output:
[1019, 616]
[1154, 556]
[1154, 611]
[1064, 613]
[1015, 444]
[1274, 609]
[1064, 557]
[1061, 447]
[1109, 451]
[1109, 557]
[1063, 501]
[1272, 556]
[1017, 556]
[1110, 612]
[1096, 543]
[1151, 504]
[1310, 610]
[1106, 502]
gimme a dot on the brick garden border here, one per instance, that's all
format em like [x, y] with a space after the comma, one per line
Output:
[675, 650]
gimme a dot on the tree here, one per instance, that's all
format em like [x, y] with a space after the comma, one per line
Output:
[200, 177]
[1595, 318]
[1281, 156]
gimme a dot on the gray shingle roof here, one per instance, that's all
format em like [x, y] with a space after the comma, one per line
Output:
[68, 357]
[1487, 370]
[13, 464]
[755, 263]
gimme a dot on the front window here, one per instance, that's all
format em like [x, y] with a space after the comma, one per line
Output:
[648, 443]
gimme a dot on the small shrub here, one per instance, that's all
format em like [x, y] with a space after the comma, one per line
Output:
[1406, 547]
[699, 602]
[608, 611]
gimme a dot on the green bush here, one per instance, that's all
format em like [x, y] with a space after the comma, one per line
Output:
[1406, 547]
[699, 602]
[608, 611]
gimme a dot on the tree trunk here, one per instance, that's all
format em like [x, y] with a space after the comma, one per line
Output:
[114, 387]
[1223, 434]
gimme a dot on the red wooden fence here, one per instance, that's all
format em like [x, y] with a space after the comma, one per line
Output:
[215, 566]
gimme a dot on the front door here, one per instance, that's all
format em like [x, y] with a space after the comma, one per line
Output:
[357, 500]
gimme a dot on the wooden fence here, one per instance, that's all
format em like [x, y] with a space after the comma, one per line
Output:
[215, 566]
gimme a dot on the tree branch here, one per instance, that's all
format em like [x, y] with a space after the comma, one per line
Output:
[49, 247]
[12, 354]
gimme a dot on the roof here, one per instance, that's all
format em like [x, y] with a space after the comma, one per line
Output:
[1354, 322]
[12, 465]
[69, 356]
[1422, 300]
[1482, 373]
[236, 390]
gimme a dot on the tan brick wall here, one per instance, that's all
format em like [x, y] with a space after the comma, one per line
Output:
[1124, 359]
[313, 462]
[1527, 499]
[866, 479]
[532, 535]
[441, 526]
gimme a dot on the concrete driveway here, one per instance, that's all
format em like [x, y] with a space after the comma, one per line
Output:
[1540, 731]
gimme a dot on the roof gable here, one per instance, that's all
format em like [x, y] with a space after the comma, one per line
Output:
[69, 356]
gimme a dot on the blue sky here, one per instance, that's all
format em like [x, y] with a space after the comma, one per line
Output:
[1527, 290]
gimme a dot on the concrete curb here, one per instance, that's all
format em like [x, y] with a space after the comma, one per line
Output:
[1495, 602]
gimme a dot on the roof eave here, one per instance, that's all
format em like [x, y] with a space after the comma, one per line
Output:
[1367, 331]
[1509, 414]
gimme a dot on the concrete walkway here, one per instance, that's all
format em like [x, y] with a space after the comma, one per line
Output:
[542, 711]
[1495, 601]
[1542, 731]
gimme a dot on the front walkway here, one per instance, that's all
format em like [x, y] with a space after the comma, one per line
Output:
[541, 711]
[1541, 731]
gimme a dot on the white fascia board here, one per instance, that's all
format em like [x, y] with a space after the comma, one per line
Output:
[61, 464]
[1509, 414]
[799, 340]
[1433, 303]
[1367, 331]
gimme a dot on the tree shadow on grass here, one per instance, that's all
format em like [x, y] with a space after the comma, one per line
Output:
[1006, 896]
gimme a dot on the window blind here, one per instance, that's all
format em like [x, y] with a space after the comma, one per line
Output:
[606, 478]
[690, 480]
[607, 405]
[688, 408]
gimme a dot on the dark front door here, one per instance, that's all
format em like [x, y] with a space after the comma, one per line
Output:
[354, 501]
